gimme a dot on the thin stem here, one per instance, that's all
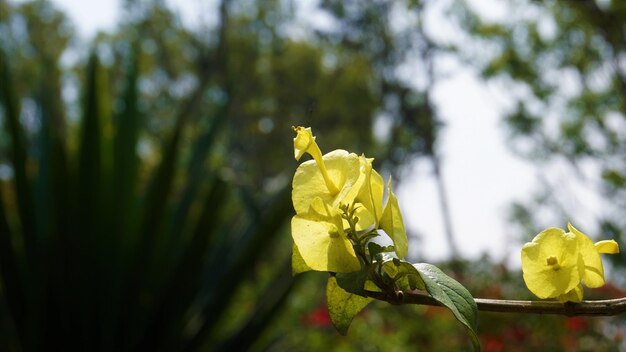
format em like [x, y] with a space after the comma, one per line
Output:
[317, 156]
[607, 307]
[445, 207]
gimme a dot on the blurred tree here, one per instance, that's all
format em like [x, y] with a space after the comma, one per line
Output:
[343, 81]
[144, 203]
[564, 64]
[147, 180]
[392, 36]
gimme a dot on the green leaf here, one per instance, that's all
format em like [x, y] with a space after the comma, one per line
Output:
[9, 102]
[271, 302]
[242, 256]
[376, 251]
[125, 161]
[183, 282]
[404, 275]
[353, 282]
[90, 155]
[11, 280]
[343, 306]
[453, 296]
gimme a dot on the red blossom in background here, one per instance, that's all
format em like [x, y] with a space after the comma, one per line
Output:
[492, 343]
[318, 317]
[576, 324]
[517, 334]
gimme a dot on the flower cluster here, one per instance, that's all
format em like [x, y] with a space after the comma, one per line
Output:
[338, 199]
[555, 263]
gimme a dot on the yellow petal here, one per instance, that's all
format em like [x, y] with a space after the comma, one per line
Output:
[297, 263]
[367, 193]
[371, 192]
[575, 295]
[593, 271]
[322, 246]
[607, 247]
[376, 190]
[308, 181]
[392, 223]
[542, 279]
[323, 212]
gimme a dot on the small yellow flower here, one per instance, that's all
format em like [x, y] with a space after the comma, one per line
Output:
[550, 263]
[555, 263]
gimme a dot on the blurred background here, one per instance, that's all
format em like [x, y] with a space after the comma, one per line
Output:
[146, 160]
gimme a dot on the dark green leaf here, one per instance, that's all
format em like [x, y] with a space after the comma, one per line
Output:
[125, 160]
[403, 275]
[269, 304]
[375, 250]
[18, 157]
[11, 280]
[243, 253]
[184, 282]
[353, 282]
[89, 167]
[452, 295]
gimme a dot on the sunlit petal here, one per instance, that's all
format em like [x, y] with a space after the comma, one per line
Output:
[593, 275]
[575, 295]
[607, 247]
[392, 223]
[322, 246]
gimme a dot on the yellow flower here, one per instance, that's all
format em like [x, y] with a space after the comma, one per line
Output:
[555, 263]
[337, 178]
[320, 187]
[550, 263]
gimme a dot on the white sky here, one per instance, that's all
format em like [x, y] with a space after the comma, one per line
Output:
[481, 175]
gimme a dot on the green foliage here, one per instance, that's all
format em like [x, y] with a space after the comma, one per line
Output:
[139, 233]
[562, 63]
[133, 179]
[91, 260]
[410, 327]
[338, 202]
[389, 278]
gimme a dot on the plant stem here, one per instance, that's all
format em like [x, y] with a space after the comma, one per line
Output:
[445, 207]
[608, 307]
